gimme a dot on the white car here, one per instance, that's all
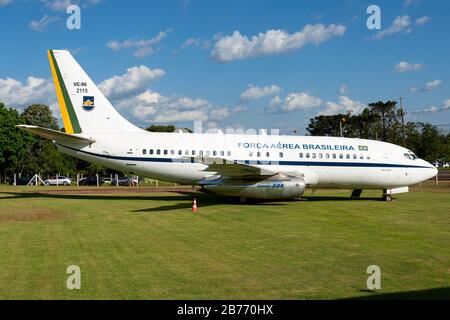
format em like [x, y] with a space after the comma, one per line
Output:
[60, 181]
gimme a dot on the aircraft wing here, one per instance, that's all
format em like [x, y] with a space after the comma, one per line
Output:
[229, 168]
[57, 136]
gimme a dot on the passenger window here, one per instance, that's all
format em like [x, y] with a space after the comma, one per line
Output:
[180, 152]
[208, 153]
[250, 154]
[150, 151]
[258, 154]
[355, 156]
[222, 153]
[172, 152]
[334, 155]
[327, 156]
[200, 153]
[281, 154]
[186, 152]
[165, 152]
[158, 152]
[320, 156]
[214, 153]
[307, 156]
[368, 157]
[229, 153]
[193, 152]
[267, 154]
[144, 151]
[313, 155]
[361, 157]
[341, 156]
[347, 156]
[300, 155]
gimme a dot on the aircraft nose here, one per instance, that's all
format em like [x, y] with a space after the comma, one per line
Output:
[435, 171]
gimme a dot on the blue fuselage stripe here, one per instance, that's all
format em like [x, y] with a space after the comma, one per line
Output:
[255, 162]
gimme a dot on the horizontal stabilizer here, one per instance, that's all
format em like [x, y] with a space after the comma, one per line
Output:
[57, 136]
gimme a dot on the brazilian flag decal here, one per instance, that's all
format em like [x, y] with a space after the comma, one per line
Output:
[363, 148]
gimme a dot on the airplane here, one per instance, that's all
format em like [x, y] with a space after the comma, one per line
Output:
[239, 166]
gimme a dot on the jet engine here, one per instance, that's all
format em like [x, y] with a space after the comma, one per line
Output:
[263, 189]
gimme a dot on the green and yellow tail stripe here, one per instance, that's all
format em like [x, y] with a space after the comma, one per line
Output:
[69, 117]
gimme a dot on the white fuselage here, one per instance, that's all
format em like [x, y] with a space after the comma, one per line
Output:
[323, 161]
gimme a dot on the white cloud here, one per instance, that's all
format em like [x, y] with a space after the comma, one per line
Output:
[19, 95]
[429, 86]
[196, 42]
[404, 66]
[400, 24]
[61, 5]
[275, 104]
[167, 116]
[237, 46]
[136, 79]
[255, 93]
[144, 52]
[294, 101]
[433, 84]
[58, 5]
[40, 25]
[408, 3]
[4, 2]
[150, 106]
[447, 103]
[220, 114]
[344, 105]
[343, 89]
[422, 20]
[144, 47]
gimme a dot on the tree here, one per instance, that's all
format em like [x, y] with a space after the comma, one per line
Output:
[325, 125]
[43, 157]
[40, 115]
[385, 109]
[159, 128]
[14, 143]
[430, 143]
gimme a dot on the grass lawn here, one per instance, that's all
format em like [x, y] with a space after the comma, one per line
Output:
[151, 246]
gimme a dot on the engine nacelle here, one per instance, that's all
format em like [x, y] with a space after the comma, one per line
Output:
[266, 189]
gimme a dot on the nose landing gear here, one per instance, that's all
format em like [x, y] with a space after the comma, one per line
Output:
[386, 197]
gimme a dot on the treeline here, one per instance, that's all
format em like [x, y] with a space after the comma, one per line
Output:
[383, 121]
[25, 154]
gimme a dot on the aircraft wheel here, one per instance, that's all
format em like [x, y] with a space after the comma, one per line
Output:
[387, 197]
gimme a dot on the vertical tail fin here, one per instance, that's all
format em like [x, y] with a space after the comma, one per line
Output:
[83, 106]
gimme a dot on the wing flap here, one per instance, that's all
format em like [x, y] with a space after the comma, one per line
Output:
[229, 168]
[57, 136]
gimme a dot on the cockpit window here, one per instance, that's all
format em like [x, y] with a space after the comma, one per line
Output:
[410, 156]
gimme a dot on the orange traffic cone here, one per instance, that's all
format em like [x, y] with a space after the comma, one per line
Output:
[194, 205]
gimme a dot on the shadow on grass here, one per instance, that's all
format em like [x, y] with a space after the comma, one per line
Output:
[343, 198]
[428, 294]
[183, 199]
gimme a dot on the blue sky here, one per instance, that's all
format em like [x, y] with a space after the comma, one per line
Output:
[251, 64]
